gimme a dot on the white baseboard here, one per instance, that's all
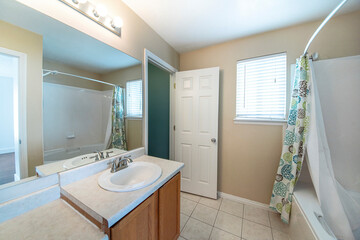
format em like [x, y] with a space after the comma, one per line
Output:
[244, 201]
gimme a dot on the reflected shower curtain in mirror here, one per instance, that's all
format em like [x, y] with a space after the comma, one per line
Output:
[294, 141]
[118, 137]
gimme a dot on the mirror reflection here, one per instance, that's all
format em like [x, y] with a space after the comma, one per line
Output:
[66, 98]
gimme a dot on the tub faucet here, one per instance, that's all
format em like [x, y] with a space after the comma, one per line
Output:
[107, 154]
[99, 155]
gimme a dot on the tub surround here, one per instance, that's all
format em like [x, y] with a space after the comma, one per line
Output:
[110, 207]
[55, 220]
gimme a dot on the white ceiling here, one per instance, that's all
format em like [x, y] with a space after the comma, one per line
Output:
[65, 44]
[191, 24]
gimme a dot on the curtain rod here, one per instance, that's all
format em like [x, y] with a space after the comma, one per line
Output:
[54, 72]
[323, 24]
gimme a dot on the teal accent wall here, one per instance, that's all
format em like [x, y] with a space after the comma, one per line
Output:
[159, 112]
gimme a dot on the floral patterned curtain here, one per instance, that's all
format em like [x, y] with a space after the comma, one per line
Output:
[118, 139]
[294, 141]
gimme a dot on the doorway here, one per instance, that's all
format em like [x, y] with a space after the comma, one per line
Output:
[13, 164]
[192, 124]
[162, 109]
[159, 112]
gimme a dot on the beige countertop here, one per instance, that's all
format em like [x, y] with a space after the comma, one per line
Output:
[112, 206]
[55, 220]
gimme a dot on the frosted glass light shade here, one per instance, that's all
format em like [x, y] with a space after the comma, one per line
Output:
[101, 10]
[117, 22]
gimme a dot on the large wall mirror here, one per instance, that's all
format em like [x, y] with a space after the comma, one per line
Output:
[66, 99]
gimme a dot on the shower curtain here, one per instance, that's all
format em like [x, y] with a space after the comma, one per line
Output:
[340, 209]
[294, 141]
[118, 137]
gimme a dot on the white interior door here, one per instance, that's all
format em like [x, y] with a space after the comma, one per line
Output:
[196, 117]
[13, 66]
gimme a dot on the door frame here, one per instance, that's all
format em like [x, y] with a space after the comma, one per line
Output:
[157, 61]
[21, 166]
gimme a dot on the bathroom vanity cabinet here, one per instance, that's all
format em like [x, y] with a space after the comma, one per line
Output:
[158, 217]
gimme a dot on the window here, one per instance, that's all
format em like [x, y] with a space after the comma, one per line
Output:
[261, 88]
[134, 98]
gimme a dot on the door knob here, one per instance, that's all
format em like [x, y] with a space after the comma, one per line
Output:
[213, 140]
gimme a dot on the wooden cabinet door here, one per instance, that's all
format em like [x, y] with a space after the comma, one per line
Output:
[139, 224]
[169, 209]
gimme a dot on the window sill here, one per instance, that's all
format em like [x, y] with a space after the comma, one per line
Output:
[133, 118]
[259, 121]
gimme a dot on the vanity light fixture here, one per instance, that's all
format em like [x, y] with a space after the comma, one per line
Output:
[98, 13]
[79, 1]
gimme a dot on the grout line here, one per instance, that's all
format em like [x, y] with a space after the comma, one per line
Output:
[193, 209]
[190, 199]
[210, 233]
[227, 232]
[217, 213]
[242, 222]
[184, 226]
[247, 219]
[209, 206]
[272, 236]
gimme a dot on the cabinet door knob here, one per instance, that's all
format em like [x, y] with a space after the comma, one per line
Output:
[213, 140]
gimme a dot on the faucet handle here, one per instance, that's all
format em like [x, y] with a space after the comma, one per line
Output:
[129, 159]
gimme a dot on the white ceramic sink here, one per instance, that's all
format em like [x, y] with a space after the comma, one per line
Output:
[79, 161]
[136, 176]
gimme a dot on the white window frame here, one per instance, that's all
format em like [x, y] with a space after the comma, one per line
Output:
[264, 121]
[142, 90]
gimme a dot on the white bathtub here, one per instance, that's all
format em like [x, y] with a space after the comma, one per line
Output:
[61, 154]
[305, 223]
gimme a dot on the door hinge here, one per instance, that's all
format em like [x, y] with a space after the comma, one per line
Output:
[174, 85]
[174, 128]
[19, 141]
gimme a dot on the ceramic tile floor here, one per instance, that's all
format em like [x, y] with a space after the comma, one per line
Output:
[223, 219]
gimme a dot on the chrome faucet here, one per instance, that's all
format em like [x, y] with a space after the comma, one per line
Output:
[120, 163]
[99, 155]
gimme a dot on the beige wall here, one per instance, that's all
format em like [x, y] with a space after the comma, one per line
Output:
[71, 81]
[249, 154]
[21, 40]
[133, 126]
[134, 133]
[120, 77]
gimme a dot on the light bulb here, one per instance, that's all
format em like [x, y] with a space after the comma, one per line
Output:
[117, 22]
[100, 11]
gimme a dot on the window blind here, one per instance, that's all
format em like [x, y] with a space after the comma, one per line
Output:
[134, 98]
[261, 88]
